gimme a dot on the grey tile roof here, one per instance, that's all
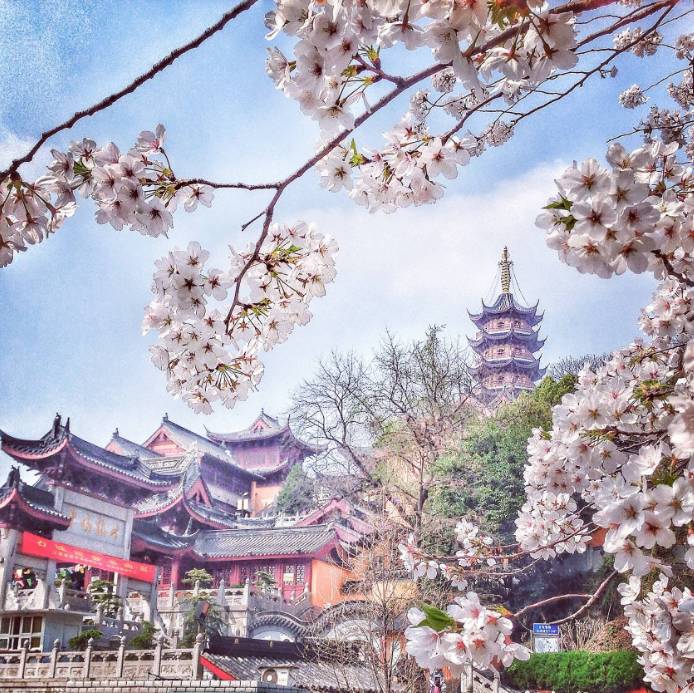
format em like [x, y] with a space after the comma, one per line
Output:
[272, 428]
[284, 541]
[188, 439]
[128, 466]
[131, 448]
[149, 531]
[309, 674]
[36, 498]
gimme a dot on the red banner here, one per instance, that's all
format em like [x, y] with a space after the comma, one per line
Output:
[34, 545]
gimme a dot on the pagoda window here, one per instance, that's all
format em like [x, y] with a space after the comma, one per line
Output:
[18, 631]
[300, 574]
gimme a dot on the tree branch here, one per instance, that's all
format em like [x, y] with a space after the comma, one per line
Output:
[592, 598]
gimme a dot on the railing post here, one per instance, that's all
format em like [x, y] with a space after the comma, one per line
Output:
[61, 593]
[88, 659]
[23, 661]
[496, 684]
[466, 679]
[197, 651]
[99, 614]
[156, 665]
[120, 657]
[55, 653]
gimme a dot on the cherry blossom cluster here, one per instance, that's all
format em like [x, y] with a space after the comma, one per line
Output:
[337, 58]
[607, 220]
[136, 189]
[208, 346]
[621, 450]
[662, 629]
[639, 44]
[468, 632]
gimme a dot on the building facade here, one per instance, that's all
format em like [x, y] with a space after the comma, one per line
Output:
[140, 516]
[506, 343]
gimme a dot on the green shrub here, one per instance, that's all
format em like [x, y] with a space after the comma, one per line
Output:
[571, 672]
[79, 642]
[144, 640]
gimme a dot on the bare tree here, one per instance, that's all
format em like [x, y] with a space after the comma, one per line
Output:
[368, 631]
[571, 365]
[385, 420]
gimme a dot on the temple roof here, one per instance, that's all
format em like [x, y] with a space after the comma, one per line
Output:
[23, 505]
[193, 495]
[306, 673]
[123, 446]
[148, 534]
[42, 452]
[248, 543]
[348, 516]
[191, 441]
[265, 427]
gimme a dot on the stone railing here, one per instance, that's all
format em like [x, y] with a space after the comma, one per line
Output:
[103, 664]
[474, 681]
[234, 597]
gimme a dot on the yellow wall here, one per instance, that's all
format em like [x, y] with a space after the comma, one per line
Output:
[262, 496]
[326, 583]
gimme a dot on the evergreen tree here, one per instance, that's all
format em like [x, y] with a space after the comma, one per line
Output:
[298, 493]
[484, 479]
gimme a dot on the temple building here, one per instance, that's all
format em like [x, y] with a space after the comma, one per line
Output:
[506, 343]
[141, 515]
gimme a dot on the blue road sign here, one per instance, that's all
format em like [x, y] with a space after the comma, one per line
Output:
[545, 629]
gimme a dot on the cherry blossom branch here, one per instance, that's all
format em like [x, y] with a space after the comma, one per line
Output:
[671, 270]
[668, 5]
[108, 101]
[634, 16]
[592, 598]
[184, 182]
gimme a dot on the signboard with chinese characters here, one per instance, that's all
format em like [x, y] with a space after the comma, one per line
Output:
[95, 524]
[545, 629]
[88, 523]
[34, 545]
[546, 637]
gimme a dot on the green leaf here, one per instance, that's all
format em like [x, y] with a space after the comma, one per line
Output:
[561, 203]
[435, 618]
[80, 169]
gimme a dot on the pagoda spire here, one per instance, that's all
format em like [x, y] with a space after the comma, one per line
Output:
[506, 343]
[505, 266]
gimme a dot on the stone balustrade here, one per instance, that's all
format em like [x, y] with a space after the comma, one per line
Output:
[118, 664]
[474, 681]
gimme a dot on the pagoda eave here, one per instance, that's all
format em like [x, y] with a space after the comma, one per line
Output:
[502, 364]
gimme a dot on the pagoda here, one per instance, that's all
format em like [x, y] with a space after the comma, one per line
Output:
[506, 343]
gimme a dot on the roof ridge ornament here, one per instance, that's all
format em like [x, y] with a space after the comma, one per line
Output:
[505, 264]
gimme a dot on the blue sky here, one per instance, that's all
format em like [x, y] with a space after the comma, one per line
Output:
[71, 308]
